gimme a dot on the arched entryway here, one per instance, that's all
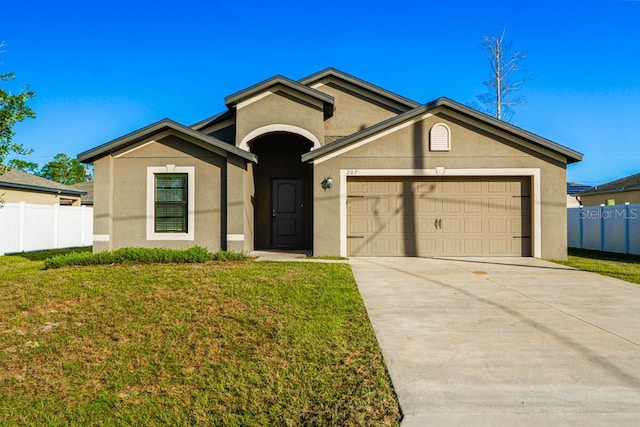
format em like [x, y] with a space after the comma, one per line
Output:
[283, 198]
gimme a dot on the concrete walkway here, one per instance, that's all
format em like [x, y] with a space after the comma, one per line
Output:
[505, 341]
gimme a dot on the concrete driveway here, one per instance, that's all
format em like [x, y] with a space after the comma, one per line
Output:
[505, 341]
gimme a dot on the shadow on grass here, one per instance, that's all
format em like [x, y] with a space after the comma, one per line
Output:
[604, 256]
[42, 255]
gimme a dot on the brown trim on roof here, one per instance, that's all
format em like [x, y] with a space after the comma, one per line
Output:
[233, 99]
[332, 72]
[571, 155]
[166, 124]
[209, 121]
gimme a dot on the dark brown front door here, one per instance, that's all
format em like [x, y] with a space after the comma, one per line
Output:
[286, 213]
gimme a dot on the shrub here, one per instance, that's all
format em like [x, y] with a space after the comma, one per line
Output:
[143, 256]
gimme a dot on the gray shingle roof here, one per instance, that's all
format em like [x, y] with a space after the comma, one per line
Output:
[87, 187]
[15, 178]
[628, 183]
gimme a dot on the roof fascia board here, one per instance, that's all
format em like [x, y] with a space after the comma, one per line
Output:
[613, 191]
[567, 154]
[155, 128]
[274, 90]
[332, 72]
[209, 121]
[41, 189]
[232, 100]
[571, 155]
[380, 127]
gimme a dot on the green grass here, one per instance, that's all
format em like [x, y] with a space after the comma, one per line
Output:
[234, 343]
[620, 266]
[42, 255]
[142, 256]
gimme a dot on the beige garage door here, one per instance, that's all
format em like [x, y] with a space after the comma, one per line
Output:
[467, 216]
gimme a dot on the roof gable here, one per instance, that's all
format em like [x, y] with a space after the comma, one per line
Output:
[155, 128]
[571, 155]
[390, 98]
[264, 86]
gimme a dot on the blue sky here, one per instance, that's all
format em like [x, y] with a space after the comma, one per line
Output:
[103, 69]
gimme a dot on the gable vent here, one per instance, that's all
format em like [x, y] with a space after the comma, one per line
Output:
[440, 138]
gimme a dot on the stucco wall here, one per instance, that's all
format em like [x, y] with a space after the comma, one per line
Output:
[619, 198]
[280, 108]
[472, 148]
[35, 197]
[352, 111]
[121, 194]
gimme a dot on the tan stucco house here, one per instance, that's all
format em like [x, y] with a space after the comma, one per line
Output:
[19, 186]
[618, 192]
[336, 166]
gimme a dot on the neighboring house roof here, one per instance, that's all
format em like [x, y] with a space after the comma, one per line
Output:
[574, 188]
[332, 72]
[87, 187]
[629, 183]
[21, 180]
[571, 155]
[327, 100]
[208, 142]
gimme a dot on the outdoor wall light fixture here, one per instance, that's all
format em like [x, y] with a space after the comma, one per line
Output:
[327, 183]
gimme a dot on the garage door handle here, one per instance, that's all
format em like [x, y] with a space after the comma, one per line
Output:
[355, 237]
[438, 223]
[521, 237]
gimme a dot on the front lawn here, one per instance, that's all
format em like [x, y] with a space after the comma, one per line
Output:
[241, 343]
[620, 266]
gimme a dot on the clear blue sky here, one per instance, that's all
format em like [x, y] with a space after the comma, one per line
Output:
[103, 69]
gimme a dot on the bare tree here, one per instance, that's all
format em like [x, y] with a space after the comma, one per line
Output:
[505, 65]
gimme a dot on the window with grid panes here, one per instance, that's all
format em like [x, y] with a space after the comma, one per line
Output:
[171, 202]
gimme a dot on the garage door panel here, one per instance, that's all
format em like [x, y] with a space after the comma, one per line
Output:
[473, 205]
[430, 216]
[426, 206]
[472, 247]
[451, 225]
[499, 246]
[380, 206]
[451, 205]
[473, 225]
[358, 225]
[497, 205]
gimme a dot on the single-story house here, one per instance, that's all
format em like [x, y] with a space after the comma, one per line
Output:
[87, 188]
[616, 192]
[19, 186]
[574, 189]
[334, 165]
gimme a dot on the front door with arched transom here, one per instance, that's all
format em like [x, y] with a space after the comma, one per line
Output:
[283, 200]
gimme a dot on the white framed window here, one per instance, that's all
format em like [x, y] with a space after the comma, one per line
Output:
[440, 137]
[170, 202]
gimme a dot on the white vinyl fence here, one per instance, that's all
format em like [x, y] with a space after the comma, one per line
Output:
[605, 228]
[26, 227]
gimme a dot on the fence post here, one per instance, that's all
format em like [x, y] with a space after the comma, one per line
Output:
[601, 227]
[55, 226]
[626, 227]
[83, 211]
[580, 224]
[21, 226]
